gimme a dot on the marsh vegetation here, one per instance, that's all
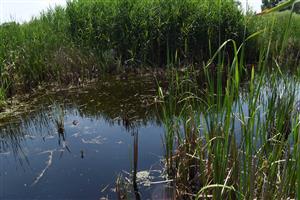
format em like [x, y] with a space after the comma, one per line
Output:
[211, 90]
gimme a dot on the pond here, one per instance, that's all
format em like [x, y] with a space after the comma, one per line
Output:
[104, 140]
[104, 126]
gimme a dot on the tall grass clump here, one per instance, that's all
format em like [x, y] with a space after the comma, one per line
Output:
[155, 32]
[284, 29]
[26, 49]
[77, 42]
[90, 37]
[40, 51]
[229, 139]
[220, 144]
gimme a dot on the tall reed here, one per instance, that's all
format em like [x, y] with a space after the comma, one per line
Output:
[231, 139]
[79, 42]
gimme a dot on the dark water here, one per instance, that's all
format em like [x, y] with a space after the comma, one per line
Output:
[78, 143]
[102, 124]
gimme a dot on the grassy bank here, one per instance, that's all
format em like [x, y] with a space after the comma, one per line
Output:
[39, 51]
[231, 129]
[226, 139]
[77, 42]
[227, 142]
[87, 38]
[155, 32]
[284, 31]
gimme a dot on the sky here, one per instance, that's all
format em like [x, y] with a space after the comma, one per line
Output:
[23, 10]
[254, 4]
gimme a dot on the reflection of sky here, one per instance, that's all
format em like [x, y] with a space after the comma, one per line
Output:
[23, 10]
[98, 152]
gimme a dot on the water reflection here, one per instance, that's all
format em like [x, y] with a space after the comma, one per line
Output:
[98, 127]
[135, 164]
[125, 107]
[96, 134]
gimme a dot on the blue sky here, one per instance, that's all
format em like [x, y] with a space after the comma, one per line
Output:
[23, 10]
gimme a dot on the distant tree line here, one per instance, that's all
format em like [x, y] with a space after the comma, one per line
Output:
[272, 3]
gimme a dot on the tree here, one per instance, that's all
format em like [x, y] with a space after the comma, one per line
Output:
[266, 4]
[269, 3]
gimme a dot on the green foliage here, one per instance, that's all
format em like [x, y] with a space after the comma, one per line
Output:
[27, 49]
[281, 32]
[2, 99]
[41, 50]
[230, 139]
[152, 31]
[74, 43]
[70, 44]
[226, 143]
[269, 3]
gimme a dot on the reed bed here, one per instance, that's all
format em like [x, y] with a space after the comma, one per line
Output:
[227, 141]
[227, 138]
[69, 45]
[155, 32]
[284, 29]
[231, 129]
[86, 38]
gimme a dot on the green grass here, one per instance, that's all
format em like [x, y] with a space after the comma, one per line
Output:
[285, 35]
[233, 139]
[69, 45]
[88, 37]
[40, 51]
[2, 99]
[155, 32]
[231, 144]
[79, 42]
[231, 129]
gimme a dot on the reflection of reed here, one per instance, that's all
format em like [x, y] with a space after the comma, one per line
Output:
[58, 116]
[124, 103]
[14, 134]
[135, 164]
[123, 185]
[10, 142]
